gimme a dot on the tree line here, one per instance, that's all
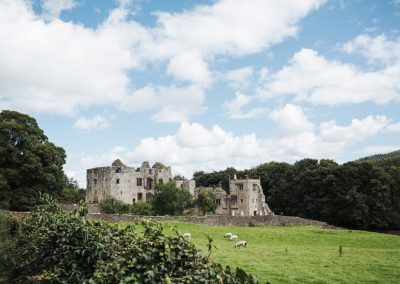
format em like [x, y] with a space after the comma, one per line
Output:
[359, 194]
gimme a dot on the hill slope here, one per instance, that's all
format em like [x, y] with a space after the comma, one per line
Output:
[384, 160]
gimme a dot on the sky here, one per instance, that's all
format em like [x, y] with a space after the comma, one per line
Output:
[204, 85]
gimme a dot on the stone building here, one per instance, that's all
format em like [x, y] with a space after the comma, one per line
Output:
[245, 198]
[188, 184]
[128, 184]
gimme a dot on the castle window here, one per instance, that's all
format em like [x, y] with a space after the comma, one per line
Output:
[117, 180]
[118, 170]
[233, 199]
[95, 181]
[218, 201]
[121, 192]
[240, 186]
[140, 196]
[160, 181]
[254, 187]
[133, 200]
[149, 183]
[150, 171]
[139, 181]
[241, 200]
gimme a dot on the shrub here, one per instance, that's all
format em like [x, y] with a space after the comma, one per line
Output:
[142, 208]
[114, 206]
[8, 233]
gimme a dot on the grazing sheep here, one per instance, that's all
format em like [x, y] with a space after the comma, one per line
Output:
[187, 235]
[240, 244]
[228, 235]
[233, 237]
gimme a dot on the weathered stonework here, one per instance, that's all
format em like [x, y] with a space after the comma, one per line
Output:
[245, 198]
[124, 183]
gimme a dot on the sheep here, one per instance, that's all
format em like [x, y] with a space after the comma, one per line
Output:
[240, 244]
[228, 235]
[233, 237]
[187, 235]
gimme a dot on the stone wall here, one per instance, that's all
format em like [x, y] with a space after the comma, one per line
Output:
[68, 207]
[212, 220]
[215, 220]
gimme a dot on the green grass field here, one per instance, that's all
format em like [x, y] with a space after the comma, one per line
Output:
[312, 253]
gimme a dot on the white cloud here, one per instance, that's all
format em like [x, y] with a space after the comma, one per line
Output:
[196, 135]
[62, 67]
[207, 149]
[189, 66]
[378, 48]
[358, 130]
[230, 26]
[291, 120]
[380, 149]
[53, 8]
[103, 160]
[96, 122]
[173, 104]
[194, 147]
[239, 78]
[311, 77]
[235, 111]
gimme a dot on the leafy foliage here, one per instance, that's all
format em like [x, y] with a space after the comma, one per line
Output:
[170, 200]
[357, 194]
[29, 162]
[57, 247]
[114, 206]
[205, 201]
[142, 208]
[71, 192]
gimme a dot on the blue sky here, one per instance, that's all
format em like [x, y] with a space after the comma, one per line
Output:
[203, 85]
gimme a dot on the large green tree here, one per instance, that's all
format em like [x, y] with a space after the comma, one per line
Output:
[170, 200]
[29, 162]
[205, 201]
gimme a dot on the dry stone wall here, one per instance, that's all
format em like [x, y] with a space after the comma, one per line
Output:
[217, 220]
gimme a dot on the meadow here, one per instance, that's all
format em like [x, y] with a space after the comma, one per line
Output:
[302, 254]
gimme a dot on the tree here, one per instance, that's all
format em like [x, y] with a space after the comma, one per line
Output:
[170, 200]
[205, 201]
[29, 162]
[71, 192]
[179, 177]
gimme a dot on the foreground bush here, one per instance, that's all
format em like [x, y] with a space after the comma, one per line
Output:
[56, 247]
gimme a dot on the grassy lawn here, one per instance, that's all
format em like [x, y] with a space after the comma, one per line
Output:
[312, 253]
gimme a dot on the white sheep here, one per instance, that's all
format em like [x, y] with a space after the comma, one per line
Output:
[187, 235]
[240, 244]
[228, 235]
[233, 237]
